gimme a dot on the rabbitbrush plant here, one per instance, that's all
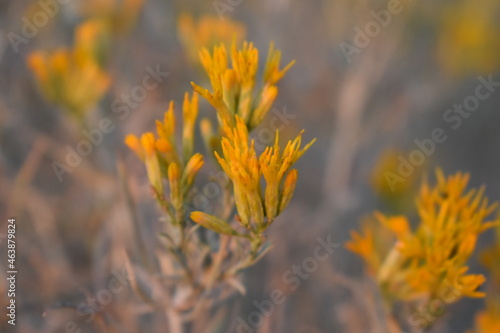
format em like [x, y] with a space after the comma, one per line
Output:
[209, 250]
[425, 268]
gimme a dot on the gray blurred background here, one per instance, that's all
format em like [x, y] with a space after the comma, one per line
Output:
[358, 103]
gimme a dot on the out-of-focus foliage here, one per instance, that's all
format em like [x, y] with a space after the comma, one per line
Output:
[468, 39]
[490, 259]
[120, 15]
[234, 82]
[488, 320]
[424, 261]
[256, 208]
[74, 78]
[405, 67]
[207, 32]
[240, 162]
[395, 192]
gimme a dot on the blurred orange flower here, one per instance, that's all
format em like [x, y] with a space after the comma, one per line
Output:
[424, 261]
[73, 79]
[468, 42]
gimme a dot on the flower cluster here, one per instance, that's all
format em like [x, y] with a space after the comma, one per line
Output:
[163, 160]
[424, 261]
[256, 208]
[73, 79]
[262, 185]
[233, 80]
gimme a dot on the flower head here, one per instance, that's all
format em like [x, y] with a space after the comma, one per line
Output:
[145, 149]
[241, 164]
[245, 169]
[233, 77]
[275, 164]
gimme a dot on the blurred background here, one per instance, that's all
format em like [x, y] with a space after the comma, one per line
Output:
[372, 81]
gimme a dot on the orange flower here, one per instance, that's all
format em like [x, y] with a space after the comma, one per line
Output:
[434, 255]
[245, 169]
[233, 82]
[160, 153]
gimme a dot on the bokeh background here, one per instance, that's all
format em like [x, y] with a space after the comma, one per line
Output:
[365, 98]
